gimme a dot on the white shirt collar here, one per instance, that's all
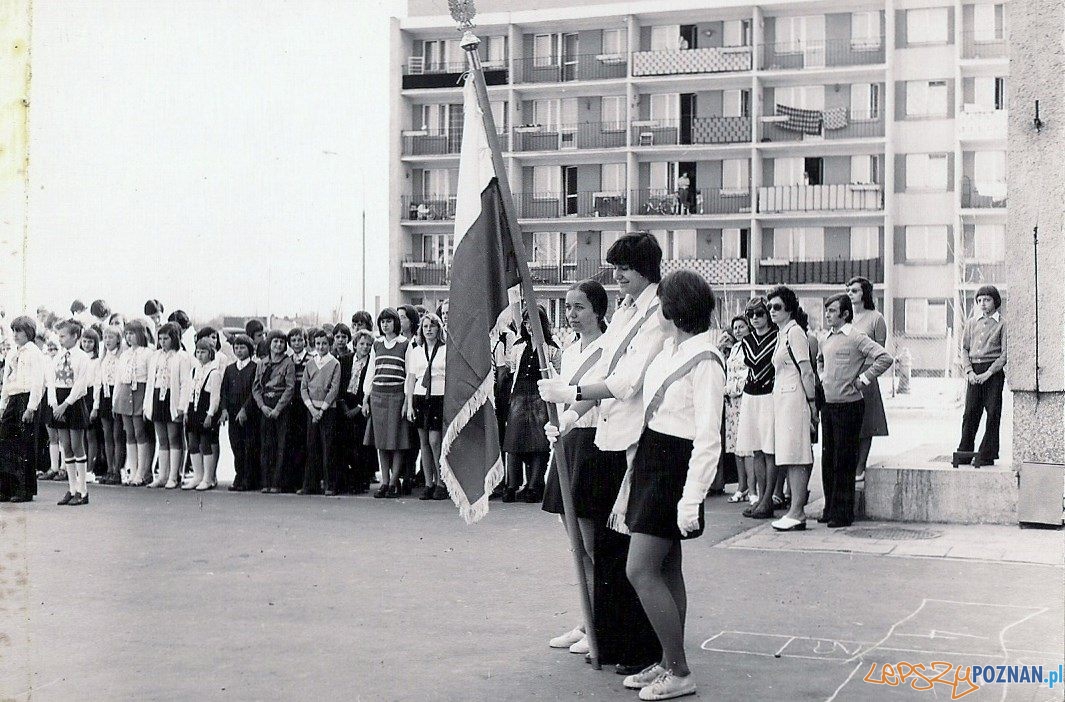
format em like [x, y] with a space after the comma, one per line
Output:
[995, 316]
[845, 330]
[242, 364]
[644, 300]
[320, 361]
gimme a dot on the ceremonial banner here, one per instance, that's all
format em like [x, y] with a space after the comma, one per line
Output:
[484, 280]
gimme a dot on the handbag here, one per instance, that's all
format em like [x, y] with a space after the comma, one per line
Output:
[819, 392]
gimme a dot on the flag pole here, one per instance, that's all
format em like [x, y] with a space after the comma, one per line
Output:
[470, 44]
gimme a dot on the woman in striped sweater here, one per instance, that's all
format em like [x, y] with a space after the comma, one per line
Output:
[754, 434]
[384, 399]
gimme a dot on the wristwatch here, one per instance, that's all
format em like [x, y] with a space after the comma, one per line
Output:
[580, 396]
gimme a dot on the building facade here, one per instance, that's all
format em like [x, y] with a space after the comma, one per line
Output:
[800, 142]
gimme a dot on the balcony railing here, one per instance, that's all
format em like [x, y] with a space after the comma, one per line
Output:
[982, 47]
[701, 201]
[426, 273]
[447, 74]
[697, 130]
[716, 271]
[684, 61]
[979, 273]
[428, 209]
[982, 124]
[977, 195]
[821, 54]
[839, 123]
[587, 135]
[581, 204]
[565, 272]
[420, 142]
[834, 272]
[561, 70]
[819, 198]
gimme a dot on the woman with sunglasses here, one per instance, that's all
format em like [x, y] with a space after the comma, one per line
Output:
[871, 323]
[755, 431]
[794, 405]
[736, 379]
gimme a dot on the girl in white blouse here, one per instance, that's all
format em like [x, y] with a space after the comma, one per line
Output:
[426, 364]
[103, 407]
[169, 373]
[676, 461]
[129, 401]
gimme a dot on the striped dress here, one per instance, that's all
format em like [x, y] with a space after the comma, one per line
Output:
[755, 431]
[388, 373]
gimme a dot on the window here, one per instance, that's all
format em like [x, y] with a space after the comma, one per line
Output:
[663, 175]
[613, 178]
[926, 172]
[799, 243]
[989, 169]
[546, 248]
[436, 184]
[434, 119]
[662, 236]
[865, 30]
[790, 33]
[926, 98]
[547, 181]
[989, 243]
[732, 243]
[924, 316]
[926, 244]
[606, 240]
[543, 51]
[865, 101]
[499, 116]
[807, 97]
[989, 93]
[615, 41]
[864, 169]
[737, 33]
[497, 52]
[985, 26]
[926, 26]
[789, 171]
[865, 243]
[546, 113]
[437, 248]
[613, 112]
[665, 38]
[568, 114]
[665, 107]
[735, 103]
[682, 244]
[735, 174]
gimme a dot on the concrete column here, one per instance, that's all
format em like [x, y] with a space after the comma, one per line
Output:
[888, 254]
[632, 181]
[754, 243]
[14, 153]
[399, 237]
[959, 226]
[1035, 317]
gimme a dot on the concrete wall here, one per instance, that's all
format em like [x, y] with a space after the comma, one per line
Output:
[14, 152]
[1036, 181]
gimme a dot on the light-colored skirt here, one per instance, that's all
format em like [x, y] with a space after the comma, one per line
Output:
[791, 426]
[756, 429]
[874, 422]
[128, 400]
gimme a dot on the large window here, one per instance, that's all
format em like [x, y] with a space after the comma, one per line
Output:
[989, 243]
[682, 244]
[926, 317]
[735, 174]
[497, 52]
[663, 175]
[807, 97]
[665, 107]
[546, 113]
[926, 172]
[989, 93]
[735, 103]
[606, 240]
[926, 26]
[435, 118]
[989, 172]
[864, 169]
[436, 184]
[865, 101]
[615, 41]
[865, 30]
[732, 244]
[987, 22]
[613, 111]
[547, 181]
[799, 243]
[544, 50]
[789, 171]
[437, 248]
[665, 38]
[737, 33]
[865, 243]
[547, 248]
[926, 244]
[926, 98]
[613, 178]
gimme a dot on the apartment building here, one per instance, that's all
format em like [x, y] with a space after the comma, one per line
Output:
[796, 142]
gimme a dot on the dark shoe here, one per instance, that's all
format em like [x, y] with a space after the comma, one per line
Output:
[393, 491]
[838, 525]
[510, 495]
[440, 493]
[622, 669]
[66, 499]
[519, 494]
[762, 514]
[5, 498]
[427, 494]
[406, 487]
[534, 496]
[823, 519]
[235, 488]
[21, 498]
[381, 492]
[79, 500]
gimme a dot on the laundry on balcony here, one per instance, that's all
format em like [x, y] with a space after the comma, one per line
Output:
[799, 120]
[836, 118]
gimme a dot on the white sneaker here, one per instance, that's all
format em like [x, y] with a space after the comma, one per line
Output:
[566, 640]
[581, 646]
[667, 686]
[644, 678]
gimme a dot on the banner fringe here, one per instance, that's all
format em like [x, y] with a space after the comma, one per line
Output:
[476, 511]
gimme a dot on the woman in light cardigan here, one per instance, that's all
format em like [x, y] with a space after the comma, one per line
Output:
[169, 373]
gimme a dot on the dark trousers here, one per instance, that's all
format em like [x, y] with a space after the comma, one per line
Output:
[363, 458]
[274, 433]
[244, 440]
[986, 397]
[296, 446]
[320, 466]
[18, 448]
[839, 457]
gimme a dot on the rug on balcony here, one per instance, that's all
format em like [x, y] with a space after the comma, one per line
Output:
[799, 120]
[716, 130]
[836, 118]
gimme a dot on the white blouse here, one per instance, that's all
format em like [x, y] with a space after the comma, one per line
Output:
[204, 380]
[573, 358]
[417, 362]
[24, 371]
[78, 382]
[699, 396]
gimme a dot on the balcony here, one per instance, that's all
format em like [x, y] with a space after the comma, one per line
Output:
[982, 47]
[426, 273]
[708, 201]
[437, 274]
[673, 62]
[820, 198]
[977, 124]
[697, 130]
[977, 195]
[418, 209]
[793, 55]
[835, 272]
[423, 142]
[980, 273]
[580, 204]
[835, 124]
[587, 135]
[716, 271]
[580, 67]
[418, 73]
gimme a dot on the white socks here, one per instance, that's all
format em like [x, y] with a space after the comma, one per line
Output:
[72, 475]
[164, 469]
[81, 469]
[144, 461]
[197, 472]
[130, 471]
[210, 463]
[54, 456]
[176, 459]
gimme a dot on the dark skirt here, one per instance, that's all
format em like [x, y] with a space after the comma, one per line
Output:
[429, 412]
[106, 410]
[19, 448]
[89, 401]
[389, 429]
[161, 407]
[74, 418]
[581, 457]
[658, 474]
[195, 417]
[525, 425]
[875, 422]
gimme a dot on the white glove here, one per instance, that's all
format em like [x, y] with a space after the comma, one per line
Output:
[552, 433]
[566, 421]
[687, 517]
[557, 390]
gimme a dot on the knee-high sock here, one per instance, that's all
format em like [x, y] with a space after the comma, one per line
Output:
[81, 466]
[176, 458]
[144, 461]
[54, 456]
[164, 468]
[72, 475]
[197, 470]
[131, 462]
